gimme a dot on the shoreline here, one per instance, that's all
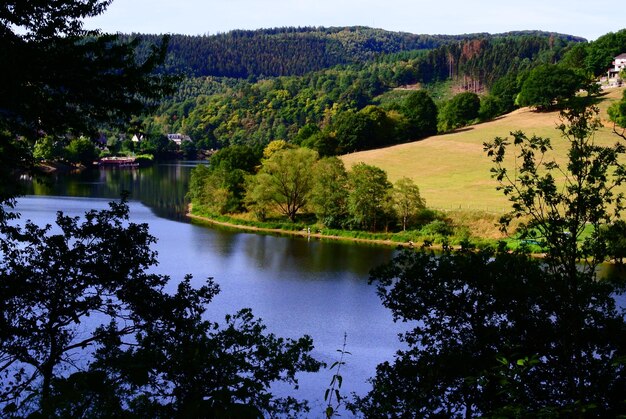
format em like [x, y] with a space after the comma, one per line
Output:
[304, 234]
[320, 236]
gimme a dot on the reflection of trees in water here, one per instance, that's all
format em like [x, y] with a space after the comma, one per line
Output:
[276, 253]
[160, 187]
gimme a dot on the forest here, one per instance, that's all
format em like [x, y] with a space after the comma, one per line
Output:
[491, 332]
[296, 51]
[334, 107]
[289, 108]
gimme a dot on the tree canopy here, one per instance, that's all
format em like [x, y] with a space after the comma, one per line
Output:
[285, 180]
[65, 80]
[87, 289]
[459, 111]
[548, 86]
[421, 113]
[497, 333]
[86, 327]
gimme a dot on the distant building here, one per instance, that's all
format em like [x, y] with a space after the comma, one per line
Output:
[137, 138]
[619, 64]
[178, 138]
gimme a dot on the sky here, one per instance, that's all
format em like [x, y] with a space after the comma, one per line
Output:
[589, 19]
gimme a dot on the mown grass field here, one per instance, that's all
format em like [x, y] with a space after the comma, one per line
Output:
[452, 170]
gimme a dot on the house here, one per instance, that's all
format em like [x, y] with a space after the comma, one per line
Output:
[619, 64]
[137, 139]
[178, 138]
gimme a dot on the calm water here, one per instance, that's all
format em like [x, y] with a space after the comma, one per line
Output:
[296, 286]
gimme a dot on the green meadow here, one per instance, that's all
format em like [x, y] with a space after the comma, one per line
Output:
[452, 170]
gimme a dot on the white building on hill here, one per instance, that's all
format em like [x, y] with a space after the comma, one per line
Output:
[178, 138]
[619, 64]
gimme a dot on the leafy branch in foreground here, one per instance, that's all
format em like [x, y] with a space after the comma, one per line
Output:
[79, 306]
[563, 201]
[502, 334]
[334, 387]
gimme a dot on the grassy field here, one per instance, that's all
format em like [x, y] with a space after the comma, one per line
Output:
[452, 170]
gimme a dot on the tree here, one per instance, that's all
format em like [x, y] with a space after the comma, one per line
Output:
[615, 236]
[407, 200]
[506, 89]
[143, 340]
[497, 333]
[81, 150]
[368, 195]
[284, 180]
[421, 113]
[379, 129]
[490, 107]
[87, 288]
[349, 128]
[459, 111]
[368, 128]
[329, 195]
[158, 145]
[617, 115]
[189, 150]
[601, 52]
[275, 146]
[47, 148]
[220, 186]
[549, 86]
[52, 282]
[64, 79]
[559, 208]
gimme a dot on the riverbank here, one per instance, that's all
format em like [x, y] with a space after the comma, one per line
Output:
[299, 233]
[393, 240]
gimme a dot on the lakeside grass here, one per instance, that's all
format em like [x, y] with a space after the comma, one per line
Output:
[452, 170]
[472, 228]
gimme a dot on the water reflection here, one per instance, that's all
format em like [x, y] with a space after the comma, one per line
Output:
[297, 286]
[162, 187]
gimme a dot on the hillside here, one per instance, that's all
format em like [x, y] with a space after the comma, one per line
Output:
[452, 170]
[297, 51]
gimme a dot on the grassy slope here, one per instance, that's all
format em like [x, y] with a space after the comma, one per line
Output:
[452, 170]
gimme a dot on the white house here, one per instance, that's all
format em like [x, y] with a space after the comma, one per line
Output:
[619, 64]
[178, 138]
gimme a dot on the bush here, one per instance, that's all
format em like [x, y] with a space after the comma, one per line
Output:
[437, 228]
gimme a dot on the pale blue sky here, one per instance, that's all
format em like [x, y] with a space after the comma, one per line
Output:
[589, 19]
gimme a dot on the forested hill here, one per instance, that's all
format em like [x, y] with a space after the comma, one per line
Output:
[297, 51]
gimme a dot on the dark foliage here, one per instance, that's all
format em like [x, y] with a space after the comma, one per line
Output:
[86, 289]
[500, 334]
[289, 51]
[421, 114]
[549, 86]
[495, 334]
[58, 79]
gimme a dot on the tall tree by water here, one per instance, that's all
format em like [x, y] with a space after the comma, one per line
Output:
[285, 181]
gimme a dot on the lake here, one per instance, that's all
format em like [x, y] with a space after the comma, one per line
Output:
[297, 286]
